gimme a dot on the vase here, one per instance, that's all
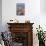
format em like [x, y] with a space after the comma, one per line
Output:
[41, 43]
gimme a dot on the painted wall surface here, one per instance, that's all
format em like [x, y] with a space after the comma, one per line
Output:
[43, 6]
[32, 12]
[0, 15]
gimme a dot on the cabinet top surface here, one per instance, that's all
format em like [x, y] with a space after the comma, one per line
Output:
[19, 23]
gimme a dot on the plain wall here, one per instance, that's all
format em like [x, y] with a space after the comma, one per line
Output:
[0, 15]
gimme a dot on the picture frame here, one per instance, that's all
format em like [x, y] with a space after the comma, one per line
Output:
[20, 9]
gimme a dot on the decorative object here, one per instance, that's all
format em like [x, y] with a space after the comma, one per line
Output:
[7, 38]
[20, 9]
[13, 21]
[41, 36]
[27, 21]
[1, 40]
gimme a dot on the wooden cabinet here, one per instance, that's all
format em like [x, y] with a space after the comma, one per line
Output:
[22, 33]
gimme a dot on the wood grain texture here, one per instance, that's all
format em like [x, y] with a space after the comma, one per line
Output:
[23, 27]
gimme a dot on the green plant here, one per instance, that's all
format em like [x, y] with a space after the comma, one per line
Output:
[40, 34]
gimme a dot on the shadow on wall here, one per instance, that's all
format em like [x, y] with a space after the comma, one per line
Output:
[0, 15]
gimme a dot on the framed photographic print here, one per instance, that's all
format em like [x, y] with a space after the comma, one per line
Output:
[20, 9]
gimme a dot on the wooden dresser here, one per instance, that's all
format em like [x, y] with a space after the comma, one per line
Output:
[22, 33]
